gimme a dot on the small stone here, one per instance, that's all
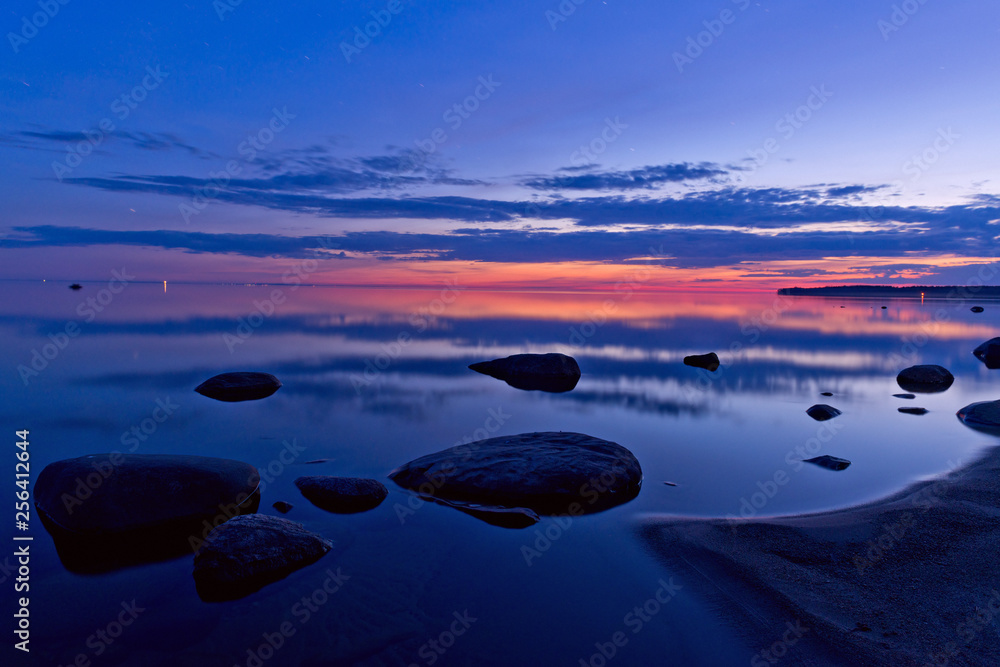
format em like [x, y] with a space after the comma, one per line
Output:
[709, 362]
[821, 412]
[829, 462]
[913, 411]
[926, 379]
[239, 386]
[342, 495]
[282, 506]
[905, 395]
[977, 309]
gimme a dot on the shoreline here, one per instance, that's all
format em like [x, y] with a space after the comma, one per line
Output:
[910, 579]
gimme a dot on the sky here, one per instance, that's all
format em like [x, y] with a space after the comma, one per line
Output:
[532, 145]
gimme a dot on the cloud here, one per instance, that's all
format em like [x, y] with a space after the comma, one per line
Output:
[641, 178]
[150, 141]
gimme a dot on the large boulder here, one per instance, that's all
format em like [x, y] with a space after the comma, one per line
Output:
[548, 473]
[552, 372]
[239, 386]
[343, 495]
[989, 353]
[709, 362]
[106, 511]
[984, 415]
[926, 379]
[248, 552]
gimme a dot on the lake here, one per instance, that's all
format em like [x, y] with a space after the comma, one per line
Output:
[375, 377]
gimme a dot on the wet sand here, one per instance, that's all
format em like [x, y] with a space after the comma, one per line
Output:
[912, 579]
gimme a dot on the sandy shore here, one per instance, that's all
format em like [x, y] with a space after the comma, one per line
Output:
[912, 579]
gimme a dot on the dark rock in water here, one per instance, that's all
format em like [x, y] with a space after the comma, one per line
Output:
[989, 353]
[826, 393]
[904, 395]
[708, 361]
[76, 286]
[343, 495]
[282, 506]
[829, 462]
[107, 511]
[318, 461]
[548, 473]
[913, 411]
[926, 379]
[821, 412]
[983, 416]
[884, 307]
[976, 309]
[552, 372]
[248, 552]
[240, 386]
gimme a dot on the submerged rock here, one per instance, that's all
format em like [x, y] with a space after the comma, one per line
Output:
[239, 386]
[282, 506]
[826, 393]
[976, 309]
[829, 462]
[913, 411]
[821, 412]
[552, 372]
[904, 395]
[548, 473]
[343, 495]
[925, 379]
[248, 552]
[708, 361]
[984, 415]
[106, 511]
[76, 286]
[989, 353]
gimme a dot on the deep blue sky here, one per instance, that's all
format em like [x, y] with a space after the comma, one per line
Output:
[506, 180]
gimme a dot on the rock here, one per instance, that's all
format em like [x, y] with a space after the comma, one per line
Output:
[708, 361]
[904, 395]
[318, 461]
[282, 506]
[884, 307]
[826, 393]
[989, 353]
[505, 517]
[829, 462]
[76, 286]
[821, 412]
[926, 379]
[104, 494]
[106, 511]
[550, 372]
[343, 495]
[548, 473]
[977, 309]
[913, 411]
[984, 416]
[240, 386]
[248, 552]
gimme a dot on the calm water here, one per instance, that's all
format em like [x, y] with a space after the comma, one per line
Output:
[374, 378]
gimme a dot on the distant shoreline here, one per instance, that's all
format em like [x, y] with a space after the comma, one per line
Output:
[908, 292]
